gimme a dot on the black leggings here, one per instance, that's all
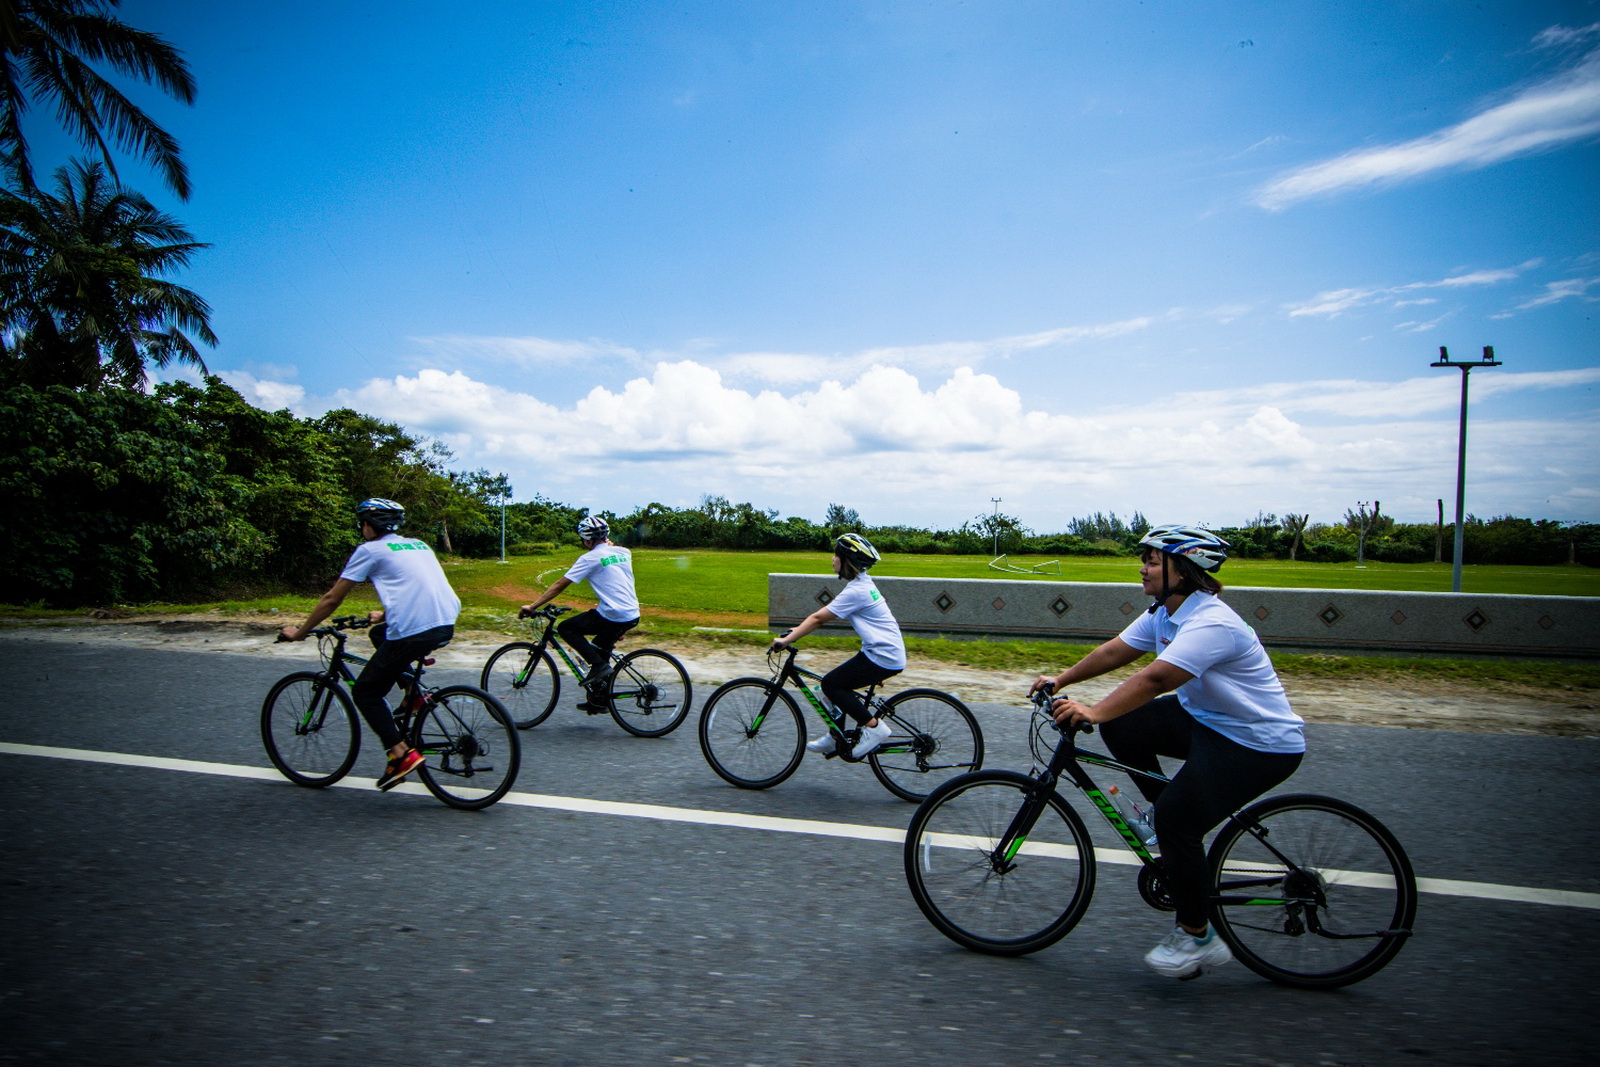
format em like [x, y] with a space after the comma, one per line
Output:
[1218, 777]
[385, 667]
[840, 684]
[577, 630]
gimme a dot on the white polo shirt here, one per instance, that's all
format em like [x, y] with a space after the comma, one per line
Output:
[863, 607]
[608, 569]
[1235, 689]
[415, 594]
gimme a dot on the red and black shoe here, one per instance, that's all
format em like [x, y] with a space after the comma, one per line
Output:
[398, 768]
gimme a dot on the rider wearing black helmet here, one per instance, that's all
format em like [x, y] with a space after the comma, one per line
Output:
[883, 651]
[1227, 717]
[419, 614]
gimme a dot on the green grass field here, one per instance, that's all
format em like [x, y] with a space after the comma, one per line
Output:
[733, 585]
[685, 591]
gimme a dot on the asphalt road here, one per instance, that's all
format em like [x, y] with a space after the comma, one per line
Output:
[158, 915]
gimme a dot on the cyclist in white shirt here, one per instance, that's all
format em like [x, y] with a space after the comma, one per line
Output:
[883, 651]
[419, 615]
[608, 568]
[1227, 717]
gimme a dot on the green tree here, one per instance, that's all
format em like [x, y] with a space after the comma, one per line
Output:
[113, 497]
[47, 52]
[286, 477]
[82, 300]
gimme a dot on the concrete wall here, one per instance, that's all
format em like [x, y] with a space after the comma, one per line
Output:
[1328, 620]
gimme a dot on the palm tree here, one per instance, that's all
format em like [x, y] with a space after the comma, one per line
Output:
[46, 48]
[81, 300]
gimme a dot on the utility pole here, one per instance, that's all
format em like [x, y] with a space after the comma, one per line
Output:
[1361, 535]
[1444, 360]
[505, 493]
[996, 502]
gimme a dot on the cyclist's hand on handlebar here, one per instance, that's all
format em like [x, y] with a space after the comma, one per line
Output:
[1043, 683]
[290, 633]
[1070, 713]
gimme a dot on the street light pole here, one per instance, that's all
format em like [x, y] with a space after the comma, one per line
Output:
[1444, 360]
[996, 502]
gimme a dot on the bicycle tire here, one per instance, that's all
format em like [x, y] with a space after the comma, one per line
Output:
[527, 687]
[1358, 874]
[936, 739]
[310, 729]
[649, 693]
[470, 749]
[1031, 903]
[743, 752]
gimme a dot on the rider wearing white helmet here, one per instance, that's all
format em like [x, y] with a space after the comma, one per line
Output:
[419, 614]
[883, 650]
[1227, 717]
[608, 568]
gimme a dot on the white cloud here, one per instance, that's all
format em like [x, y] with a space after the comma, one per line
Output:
[267, 393]
[1554, 292]
[1336, 301]
[1559, 111]
[902, 450]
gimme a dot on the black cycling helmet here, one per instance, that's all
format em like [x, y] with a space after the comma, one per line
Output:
[382, 515]
[856, 549]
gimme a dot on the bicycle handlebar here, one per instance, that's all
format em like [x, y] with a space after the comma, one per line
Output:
[1043, 697]
[343, 622]
[550, 611]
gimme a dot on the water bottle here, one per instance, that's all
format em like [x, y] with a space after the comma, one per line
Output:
[1141, 822]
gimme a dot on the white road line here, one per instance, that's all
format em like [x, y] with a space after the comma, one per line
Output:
[1442, 886]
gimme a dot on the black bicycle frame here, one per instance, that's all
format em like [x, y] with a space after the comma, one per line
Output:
[1068, 760]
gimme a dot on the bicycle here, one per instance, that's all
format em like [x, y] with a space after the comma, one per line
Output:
[470, 751]
[1307, 890]
[753, 734]
[647, 691]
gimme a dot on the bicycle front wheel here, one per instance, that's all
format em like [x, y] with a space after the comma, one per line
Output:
[469, 747]
[309, 727]
[649, 693]
[752, 734]
[1311, 891]
[524, 681]
[981, 898]
[935, 739]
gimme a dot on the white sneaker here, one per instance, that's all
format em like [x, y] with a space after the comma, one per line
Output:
[823, 745]
[871, 738]
[1179, 955]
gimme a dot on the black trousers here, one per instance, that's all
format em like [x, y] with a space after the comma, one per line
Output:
[840, 684]
[1218, 777]
[577, 629]
[388, 662]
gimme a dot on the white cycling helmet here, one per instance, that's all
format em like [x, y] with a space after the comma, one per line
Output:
[593, 528]
[1201, 547]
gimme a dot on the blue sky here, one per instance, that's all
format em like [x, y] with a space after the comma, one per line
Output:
[1189, 259]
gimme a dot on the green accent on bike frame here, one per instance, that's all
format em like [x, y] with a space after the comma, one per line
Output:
[1118, 823]
[1016, 846]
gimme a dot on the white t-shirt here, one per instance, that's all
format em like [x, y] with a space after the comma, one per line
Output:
[608, 569]
[416, 595]
[1235, 690]
[863, 607]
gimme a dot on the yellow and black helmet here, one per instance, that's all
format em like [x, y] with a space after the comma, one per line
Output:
[856, 549]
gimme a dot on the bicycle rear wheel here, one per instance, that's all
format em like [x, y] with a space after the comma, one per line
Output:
[310, 730]
[752, 734]
[649, 693]
[1002, 905]
[469, 747]
[936, 738]
[1336, 912]
[524, 681]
